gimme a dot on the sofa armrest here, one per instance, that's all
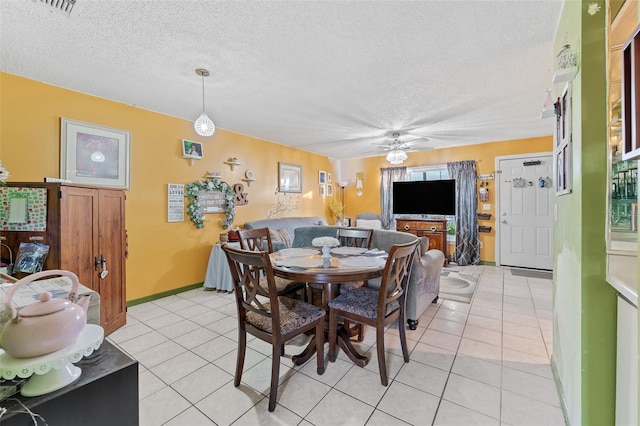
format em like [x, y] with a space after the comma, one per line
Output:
[424, 282]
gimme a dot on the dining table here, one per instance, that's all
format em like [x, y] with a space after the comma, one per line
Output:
[345, 264]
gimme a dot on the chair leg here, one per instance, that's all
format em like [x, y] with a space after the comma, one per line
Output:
[382, 365]
[275, 374]
[361, 329]
[320, 346]
[333, 334]
[242, 349]
[403, 336]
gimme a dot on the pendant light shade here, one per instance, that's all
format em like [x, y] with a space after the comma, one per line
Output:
[204, 125]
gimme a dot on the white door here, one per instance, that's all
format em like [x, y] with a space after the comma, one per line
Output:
[524, 222]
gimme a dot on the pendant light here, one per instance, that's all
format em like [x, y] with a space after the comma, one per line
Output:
[204, 125]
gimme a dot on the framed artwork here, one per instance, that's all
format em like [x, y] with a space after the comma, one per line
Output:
[562, 151]
[94, 154]
[328, 177]
[329, 190]
[322, 177]
[321, 190]
[289, 177]
[191, 149]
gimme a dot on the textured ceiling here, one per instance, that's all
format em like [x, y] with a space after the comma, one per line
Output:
[333, 78]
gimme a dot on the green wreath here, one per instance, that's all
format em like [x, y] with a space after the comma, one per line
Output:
[195, 210]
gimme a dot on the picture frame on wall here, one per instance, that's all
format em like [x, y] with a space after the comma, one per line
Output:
[321, 190]
[322, 177]
[191, 149]
[562, 151]
[329, 190]
[95, 155]
[329, 178]
[289, 177]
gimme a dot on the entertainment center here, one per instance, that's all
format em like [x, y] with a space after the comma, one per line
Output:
[427, 198]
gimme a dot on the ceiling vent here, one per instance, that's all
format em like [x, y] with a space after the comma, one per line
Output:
[60, 5]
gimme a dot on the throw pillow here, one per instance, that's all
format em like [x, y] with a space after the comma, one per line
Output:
[368, 223]
[280, 236]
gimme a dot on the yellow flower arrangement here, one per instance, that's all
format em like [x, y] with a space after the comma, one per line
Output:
[337, 209]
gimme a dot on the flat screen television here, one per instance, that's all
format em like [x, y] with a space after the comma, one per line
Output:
[425, 197]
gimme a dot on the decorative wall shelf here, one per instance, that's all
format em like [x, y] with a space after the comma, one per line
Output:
[232, 162]
[248, 181]
[566, 74]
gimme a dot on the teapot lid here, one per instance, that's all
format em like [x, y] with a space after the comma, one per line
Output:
[45, 306]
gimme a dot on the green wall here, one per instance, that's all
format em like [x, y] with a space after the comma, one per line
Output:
[585, 305]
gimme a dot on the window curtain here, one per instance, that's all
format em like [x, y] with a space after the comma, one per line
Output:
[467, 251]
[387, 177]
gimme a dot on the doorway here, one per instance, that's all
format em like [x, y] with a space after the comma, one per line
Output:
[524, 217]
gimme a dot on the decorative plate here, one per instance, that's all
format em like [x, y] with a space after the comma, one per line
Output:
[249, 174]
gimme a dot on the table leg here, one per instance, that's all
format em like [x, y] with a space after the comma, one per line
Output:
[330, 291]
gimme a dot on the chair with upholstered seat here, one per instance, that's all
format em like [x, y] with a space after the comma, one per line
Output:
[377, 308]
[260, 240]
[273, 319]
[360, 238]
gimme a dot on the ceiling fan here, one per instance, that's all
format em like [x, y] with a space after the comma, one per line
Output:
[398, 146]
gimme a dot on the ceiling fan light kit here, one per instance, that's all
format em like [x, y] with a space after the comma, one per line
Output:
[204, 125]
[396, 156]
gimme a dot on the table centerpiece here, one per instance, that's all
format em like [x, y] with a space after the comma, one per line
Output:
[326, 243]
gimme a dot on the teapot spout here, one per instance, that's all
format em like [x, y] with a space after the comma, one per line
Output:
[83, 302]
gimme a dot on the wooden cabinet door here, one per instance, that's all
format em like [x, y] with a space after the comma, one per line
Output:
[111, 246]
[79, 232]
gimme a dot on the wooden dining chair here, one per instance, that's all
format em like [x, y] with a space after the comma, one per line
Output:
[377, 308]
[274, 319]
[259, 239]
[361, 238]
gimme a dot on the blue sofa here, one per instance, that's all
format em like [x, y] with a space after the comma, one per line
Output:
[289, 224]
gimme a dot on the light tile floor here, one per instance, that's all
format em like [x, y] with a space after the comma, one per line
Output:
[484, 363]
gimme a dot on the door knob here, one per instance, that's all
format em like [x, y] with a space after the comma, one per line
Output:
[504, 214]
[504, 221]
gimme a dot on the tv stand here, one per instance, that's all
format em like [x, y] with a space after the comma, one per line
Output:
[434, 229]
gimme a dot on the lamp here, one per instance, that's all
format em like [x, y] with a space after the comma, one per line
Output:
[204, 125]
[548, 109]
[396, 156]
[359, 183]
[343, 184]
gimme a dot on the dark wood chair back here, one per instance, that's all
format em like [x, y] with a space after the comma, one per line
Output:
[354, 237]
[256, 239]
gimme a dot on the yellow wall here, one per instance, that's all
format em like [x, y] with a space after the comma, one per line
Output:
[162, 256]
[483, 154]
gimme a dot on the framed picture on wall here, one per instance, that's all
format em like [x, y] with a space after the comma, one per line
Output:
[322, 177]
[94, 154]
[321, 190]
[562, 151]
[191, 149]
[329, 190]
[289, 177]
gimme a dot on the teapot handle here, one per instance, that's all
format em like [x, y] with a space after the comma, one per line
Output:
[33, 277]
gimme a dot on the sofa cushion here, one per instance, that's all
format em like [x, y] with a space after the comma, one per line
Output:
[369, 223]
[288, 223]
[280, 236]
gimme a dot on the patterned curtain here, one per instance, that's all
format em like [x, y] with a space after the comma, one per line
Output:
[467, 251]
[387, 177]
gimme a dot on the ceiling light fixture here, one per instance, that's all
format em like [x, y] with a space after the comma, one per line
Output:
[396, 156]
[204, 125]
